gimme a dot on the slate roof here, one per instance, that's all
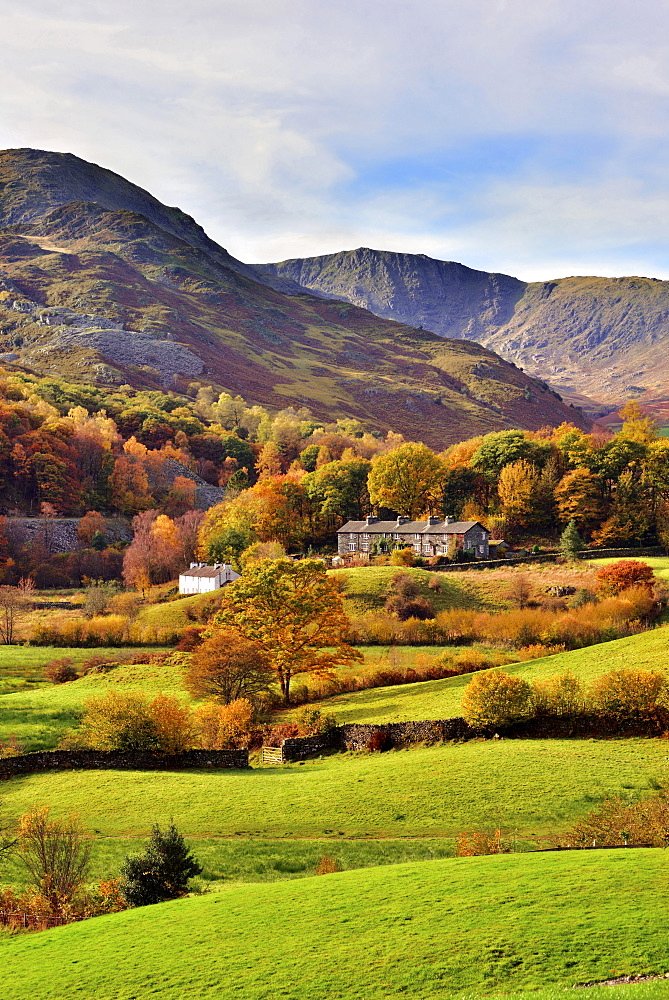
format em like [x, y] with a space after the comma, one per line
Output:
[409, 527]
[204, 571]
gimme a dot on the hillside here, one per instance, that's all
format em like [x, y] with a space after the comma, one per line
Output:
[428, 930]
[101, 282]
[600, 337]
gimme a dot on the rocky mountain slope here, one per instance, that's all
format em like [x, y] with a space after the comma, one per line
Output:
[604, 338]
[99, 281]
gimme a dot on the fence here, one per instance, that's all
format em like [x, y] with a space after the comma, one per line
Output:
[90, 760]
[41, 921]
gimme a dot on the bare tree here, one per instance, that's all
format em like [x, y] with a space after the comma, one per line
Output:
[56, 854]
[12, 603]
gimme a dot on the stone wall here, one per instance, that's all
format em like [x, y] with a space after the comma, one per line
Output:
[357, 736]
[91, 760]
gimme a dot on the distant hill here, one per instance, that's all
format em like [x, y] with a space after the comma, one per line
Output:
[605, 338]
[101, 282]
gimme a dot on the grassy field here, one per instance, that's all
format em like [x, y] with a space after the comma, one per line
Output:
[473, 927]
[441, 699]
[529, 787]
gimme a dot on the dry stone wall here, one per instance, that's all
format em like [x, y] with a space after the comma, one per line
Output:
[91, 760]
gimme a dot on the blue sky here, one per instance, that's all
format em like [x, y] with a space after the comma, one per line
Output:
[524, 136]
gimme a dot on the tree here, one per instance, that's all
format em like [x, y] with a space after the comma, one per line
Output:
[495, 698]
[293, 612]
[578, 497]
[500, 448]
[519, 492]
[90, 524]
[12, 603]
[162, 872]
[623, 574]
[56, 855]
[228, 667]
[407, 479]
[570, 542]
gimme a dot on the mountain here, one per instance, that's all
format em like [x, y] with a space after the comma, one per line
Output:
[101, 282]
[603, 338]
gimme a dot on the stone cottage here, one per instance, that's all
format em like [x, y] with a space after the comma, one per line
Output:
[433, 537]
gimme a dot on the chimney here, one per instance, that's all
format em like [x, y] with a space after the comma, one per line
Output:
[370, 519]
[432, 520]
[401, 520]
[449, 520]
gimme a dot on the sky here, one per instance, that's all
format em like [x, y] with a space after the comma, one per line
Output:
[524, 136]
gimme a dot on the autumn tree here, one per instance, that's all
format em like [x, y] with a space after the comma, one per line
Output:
[227, 667]
[91, 523]
[519, 493]
[294, 613]
[56, 855]
[578, 497]
[407, 479]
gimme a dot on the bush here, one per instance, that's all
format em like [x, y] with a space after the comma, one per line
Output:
[60, 671]
[327, 866]
[496, 698]
[379, 741]
[312, 722]
[402, 557]
[558, 695]
[131, 722]
[618, 822]
[628, 693]
[162, 872]
[225, 727]
[474, 843]
[621, 575]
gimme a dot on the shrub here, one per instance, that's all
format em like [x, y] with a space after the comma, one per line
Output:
[537, 651]
[11, 747]
[225, 727]
[434, 583]
[628, 693]
[402, 557]
[561, 694]
[495, 698]
[621, 575]
[327, 866]
[130, 721]
[474, 843]
[618, 822]
[191, 638]
[312, 722]
[379, 741]
[60, 671]
[162, 872]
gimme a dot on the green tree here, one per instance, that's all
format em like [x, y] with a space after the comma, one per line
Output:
[408, 479]
[495, 698]
[294, 613]
[570, 542]
[502, 448]
[161, 872]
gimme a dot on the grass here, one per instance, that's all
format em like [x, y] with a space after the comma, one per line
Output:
[531, 787]
[441, 699]
[473, 927]
[366, 588]
[172, 614]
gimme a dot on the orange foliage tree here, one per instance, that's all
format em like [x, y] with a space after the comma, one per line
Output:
[294, 613]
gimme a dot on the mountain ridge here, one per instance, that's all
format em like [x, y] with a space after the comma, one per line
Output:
[603, 337]
[96, 289]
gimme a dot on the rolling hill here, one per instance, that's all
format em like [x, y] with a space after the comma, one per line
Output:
[473, 927]
[101, 282]
[604, 338]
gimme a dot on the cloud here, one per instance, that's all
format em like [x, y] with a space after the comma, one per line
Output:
[524, 134]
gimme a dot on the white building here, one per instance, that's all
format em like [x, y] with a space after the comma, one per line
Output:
[200, 577]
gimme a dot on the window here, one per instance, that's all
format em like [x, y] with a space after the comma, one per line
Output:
[365, 535]
[417, 537]
[352, 546]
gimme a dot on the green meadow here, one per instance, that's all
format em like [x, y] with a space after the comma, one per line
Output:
[467, 927]
[530, 788]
